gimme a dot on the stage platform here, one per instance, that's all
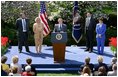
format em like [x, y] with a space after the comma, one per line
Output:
[74, 57]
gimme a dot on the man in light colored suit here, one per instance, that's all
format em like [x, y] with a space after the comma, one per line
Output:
[60, 27]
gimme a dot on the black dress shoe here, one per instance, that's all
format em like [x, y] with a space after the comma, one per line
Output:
[28, 51]
[90, 51]
[20, 51]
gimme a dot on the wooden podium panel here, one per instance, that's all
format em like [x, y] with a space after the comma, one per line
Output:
[59, 52]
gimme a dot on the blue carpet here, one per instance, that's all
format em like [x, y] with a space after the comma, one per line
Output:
[74, 55]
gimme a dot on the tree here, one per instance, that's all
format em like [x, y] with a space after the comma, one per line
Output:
[10, 12]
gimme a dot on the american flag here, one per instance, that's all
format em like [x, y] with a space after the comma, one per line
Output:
[43, 17]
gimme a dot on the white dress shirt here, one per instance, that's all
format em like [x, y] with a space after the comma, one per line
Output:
[24, 25]
[16, 65]
[112, 73]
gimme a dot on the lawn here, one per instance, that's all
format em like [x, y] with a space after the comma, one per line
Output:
[58, 74]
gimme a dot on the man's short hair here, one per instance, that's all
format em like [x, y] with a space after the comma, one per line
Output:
[87, 59]
[60, 19]
[22, 14]
[114, 60]
[89, 12]
[29, 60]
[3, 59]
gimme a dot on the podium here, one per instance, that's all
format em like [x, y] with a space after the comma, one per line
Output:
[59, 45]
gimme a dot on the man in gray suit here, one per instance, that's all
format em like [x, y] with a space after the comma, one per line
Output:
[89, 31]
[22, 24]
[60, 27]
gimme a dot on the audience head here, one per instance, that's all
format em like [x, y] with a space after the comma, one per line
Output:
[15, 70]
[3, 59]
[87, 60]
[114, 67]
[37, 20]
[102, 70]
[28, 68]
[60, 20]
[29, 61]
[15, 59]
[87, 70]
[114, 60]
[100, 59]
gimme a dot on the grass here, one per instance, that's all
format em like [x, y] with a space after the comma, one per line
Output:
[57, 74]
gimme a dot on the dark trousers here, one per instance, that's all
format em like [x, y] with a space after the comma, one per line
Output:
[23, 40]
[89, 39]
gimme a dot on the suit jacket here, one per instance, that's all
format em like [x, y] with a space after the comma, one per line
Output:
[100, 30]
[112, 73]
[19, 26]
[90, 65]
[91, 26]
[101, 64]
[63, 28]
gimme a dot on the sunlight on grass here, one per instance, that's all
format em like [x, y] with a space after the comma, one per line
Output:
[57, 74]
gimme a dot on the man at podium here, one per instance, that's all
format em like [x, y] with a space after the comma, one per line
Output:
[60, 27]
[59, 39]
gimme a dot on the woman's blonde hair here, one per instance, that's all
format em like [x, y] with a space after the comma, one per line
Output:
[100, 59]
[37, 19]
[15, 59]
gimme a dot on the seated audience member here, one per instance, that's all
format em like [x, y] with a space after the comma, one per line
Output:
[15, 63]
[3, 73]
[27, 71]
[87, 62]
[102, 71]
[113, 61]
[114, 72]
[29, 62]
[5, 67]
[14, 72]
[100, 63]
[86, 71]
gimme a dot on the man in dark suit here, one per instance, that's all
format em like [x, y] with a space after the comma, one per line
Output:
[22, 25]
[89, 31]
[60, 27]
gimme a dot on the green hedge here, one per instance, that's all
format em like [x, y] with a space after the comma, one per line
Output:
[11, 33]
[9, 30]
